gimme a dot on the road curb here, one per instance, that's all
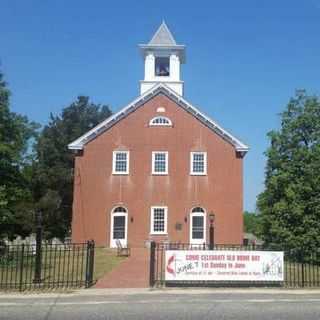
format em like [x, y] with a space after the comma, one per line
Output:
[153, 291]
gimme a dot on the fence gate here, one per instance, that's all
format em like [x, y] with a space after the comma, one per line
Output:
[23, 267]
[299, 269]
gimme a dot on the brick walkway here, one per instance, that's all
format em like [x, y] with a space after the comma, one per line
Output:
[133, 272]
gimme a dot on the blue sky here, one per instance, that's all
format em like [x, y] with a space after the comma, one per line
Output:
[244, 59]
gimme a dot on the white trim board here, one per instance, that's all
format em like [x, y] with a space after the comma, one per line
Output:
[79, 143]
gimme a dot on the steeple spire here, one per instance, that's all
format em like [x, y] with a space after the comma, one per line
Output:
[163, 37]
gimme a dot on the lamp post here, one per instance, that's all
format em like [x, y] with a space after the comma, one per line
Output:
[37, 272]
[211, 230]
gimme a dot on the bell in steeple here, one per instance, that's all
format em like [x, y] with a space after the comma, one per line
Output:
[162, 56]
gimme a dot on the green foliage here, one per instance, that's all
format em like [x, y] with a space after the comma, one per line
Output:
[16, 133]
[252, 223]
[290, 204]
[41, 180]
[53, 170]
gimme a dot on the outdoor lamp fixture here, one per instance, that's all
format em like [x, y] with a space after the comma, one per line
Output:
[211, 217]
[211, 229]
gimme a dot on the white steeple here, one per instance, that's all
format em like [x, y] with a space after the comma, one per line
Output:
[162, 59]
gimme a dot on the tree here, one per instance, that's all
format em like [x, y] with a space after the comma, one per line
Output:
[16, 133]
[290, 203]
[53, 170]
[252, 223]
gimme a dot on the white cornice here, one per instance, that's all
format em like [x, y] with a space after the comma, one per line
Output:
[79, 143]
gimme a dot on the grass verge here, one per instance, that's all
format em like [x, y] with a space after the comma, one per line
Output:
[105, 260]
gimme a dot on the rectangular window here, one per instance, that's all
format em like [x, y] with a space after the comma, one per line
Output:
[120, 162]
[197, 227]
[162, 66]
[159, 220]
[198, 163]
[160, 162]
[119, 227]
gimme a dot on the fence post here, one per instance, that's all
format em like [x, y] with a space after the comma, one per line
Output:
[302, 278]
[21, 267]
[301, 260]
[92, 261]
[37, 271]
[152, 263]
[89, 263]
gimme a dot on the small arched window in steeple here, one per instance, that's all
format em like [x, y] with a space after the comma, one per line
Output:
[160, 121]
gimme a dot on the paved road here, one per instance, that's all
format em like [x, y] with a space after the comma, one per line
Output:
[163, 305]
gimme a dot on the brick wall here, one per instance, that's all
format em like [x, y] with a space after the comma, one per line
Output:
[97, 191]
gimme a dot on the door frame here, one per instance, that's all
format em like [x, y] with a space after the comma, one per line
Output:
[124, 241]
[198, 214]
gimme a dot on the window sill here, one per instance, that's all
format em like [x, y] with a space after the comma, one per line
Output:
[120, 173]
[160, 125]
[197, 174]
[159, 174]
[159, 77]
[158, 233]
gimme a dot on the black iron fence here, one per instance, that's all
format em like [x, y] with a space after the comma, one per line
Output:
[25, 267]
[301, 268]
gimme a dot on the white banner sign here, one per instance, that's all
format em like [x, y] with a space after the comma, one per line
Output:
[224, 265]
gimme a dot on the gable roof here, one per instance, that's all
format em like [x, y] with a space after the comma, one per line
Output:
[79, 143]
[163, 37]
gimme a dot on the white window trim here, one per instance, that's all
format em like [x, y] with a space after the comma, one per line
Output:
[114, 162]
[153, 163]
[151, 124]
[205, 164]
[165, 220]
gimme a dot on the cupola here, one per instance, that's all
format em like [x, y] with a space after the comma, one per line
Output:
[162, 59]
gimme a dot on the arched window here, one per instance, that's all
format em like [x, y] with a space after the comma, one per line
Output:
[119, 227]
[197, 209]
[197, 226]
[119, 209]
[160, 121]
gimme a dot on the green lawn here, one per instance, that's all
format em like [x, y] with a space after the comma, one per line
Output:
[59, 268]
[105, 260]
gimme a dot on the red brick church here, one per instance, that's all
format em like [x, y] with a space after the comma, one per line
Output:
[158, 168]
